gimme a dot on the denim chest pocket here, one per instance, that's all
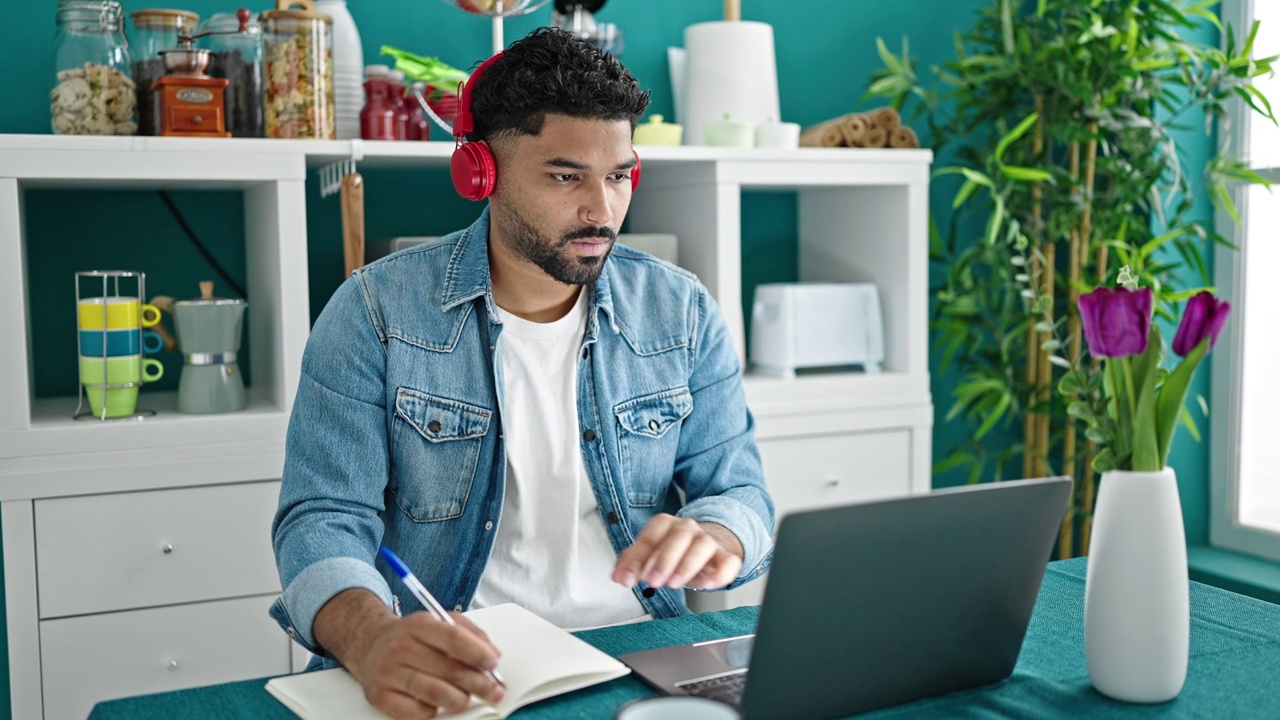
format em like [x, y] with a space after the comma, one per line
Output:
[435, 450]
[648, 437]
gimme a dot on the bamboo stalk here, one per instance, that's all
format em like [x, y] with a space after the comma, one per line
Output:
[1073, 332]
[1086, 232]
[1031, 458]
[1045, 380]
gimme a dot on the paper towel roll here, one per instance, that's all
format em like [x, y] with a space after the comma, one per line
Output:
[730, 68]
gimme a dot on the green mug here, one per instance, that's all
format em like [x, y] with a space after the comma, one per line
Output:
[129, 372]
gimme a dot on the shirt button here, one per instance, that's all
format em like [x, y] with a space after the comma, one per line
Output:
[457, 608]
[648, 592]
[434, 426]
[488, 525]
[589, 435]
[292, 633]
[612, 517]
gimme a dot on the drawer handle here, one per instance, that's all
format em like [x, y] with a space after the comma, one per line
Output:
[833, 483]
[168, 549]
[173, 664]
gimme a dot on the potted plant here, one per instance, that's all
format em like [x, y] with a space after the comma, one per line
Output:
[1137, 615]
[1061, 113]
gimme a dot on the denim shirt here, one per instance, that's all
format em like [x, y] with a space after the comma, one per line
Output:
[396, 435]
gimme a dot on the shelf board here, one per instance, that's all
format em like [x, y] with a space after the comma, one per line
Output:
[436, 154]
[53, 430]
[833, 392]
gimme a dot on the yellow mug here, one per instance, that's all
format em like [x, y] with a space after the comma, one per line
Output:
[116, 313]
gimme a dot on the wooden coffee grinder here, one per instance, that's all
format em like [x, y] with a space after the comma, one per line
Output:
[190, 102]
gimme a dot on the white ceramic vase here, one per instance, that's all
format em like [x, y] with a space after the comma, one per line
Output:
[1137, 617]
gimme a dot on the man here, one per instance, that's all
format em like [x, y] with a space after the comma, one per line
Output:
[513, 409]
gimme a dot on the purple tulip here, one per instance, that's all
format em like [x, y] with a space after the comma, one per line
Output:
[1116, 321]
[1205, 317]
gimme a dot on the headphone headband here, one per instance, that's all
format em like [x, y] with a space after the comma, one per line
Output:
[464, 123]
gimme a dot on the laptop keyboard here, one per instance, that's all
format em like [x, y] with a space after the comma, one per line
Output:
[726, 688]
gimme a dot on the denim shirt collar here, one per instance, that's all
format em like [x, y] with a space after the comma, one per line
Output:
[467, 278]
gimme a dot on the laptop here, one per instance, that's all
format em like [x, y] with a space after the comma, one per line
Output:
[881, 603]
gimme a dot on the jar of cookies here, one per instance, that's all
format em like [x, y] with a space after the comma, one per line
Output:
[298, 71]
[93, 93]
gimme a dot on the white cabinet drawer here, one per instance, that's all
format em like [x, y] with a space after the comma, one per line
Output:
[812, 472]
[85, 660]
[114, 552]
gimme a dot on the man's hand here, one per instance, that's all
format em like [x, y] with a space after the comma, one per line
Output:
[678, 552]
[411, 667]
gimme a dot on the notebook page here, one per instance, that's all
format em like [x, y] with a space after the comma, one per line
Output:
[540, 660]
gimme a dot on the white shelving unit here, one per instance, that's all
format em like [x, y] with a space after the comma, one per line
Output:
[168, 517]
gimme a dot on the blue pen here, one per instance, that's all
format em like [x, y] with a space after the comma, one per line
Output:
[425, 597]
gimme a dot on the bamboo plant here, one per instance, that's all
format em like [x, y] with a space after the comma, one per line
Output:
[1062, 114]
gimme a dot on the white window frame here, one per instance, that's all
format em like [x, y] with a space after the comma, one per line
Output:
[1225, 529]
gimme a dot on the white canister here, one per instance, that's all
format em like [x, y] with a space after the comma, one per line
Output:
[348, 68]
[774, 134]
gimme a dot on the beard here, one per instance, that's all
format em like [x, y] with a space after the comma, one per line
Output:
[556, 257]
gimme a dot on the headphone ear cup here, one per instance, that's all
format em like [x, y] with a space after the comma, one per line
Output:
[474, 171]
[635, 172]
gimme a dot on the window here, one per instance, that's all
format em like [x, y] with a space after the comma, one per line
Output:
[1245, 469]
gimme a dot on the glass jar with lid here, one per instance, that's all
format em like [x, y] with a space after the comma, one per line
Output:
[238, 58]
[93, 93]
[298, 71]
[153, 31]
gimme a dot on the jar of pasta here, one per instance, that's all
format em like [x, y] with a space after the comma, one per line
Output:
[92, 92]
[298, 68]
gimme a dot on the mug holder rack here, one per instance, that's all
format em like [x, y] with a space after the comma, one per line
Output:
[110, 286]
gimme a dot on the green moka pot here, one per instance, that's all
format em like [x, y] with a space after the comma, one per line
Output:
[209, 338]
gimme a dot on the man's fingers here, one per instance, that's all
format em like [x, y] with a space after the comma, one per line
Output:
[667, 556]
[695, 559]
[631, 562]
[719, 572]
[456, 641]
[434, 692]
[464, 621]
[402, 707]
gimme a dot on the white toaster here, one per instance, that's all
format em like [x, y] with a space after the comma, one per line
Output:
[812, 325]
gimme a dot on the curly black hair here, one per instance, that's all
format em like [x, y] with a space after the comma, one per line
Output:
[552, 71]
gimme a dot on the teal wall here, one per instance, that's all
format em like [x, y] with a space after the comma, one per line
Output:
[825, 52]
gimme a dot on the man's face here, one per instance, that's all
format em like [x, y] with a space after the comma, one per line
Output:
[562, 194]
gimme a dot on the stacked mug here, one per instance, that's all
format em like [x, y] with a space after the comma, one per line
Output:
[112, 342]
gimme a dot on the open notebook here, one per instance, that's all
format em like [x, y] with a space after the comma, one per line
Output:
[539, 660]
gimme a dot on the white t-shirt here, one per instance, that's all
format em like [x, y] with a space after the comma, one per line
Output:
[552, 554]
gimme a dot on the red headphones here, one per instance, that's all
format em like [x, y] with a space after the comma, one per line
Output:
[472, 167]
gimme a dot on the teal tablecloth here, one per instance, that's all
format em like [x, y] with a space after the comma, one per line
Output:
[1234, 670]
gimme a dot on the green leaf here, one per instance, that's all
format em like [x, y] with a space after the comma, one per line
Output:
[1174, 395]
[993, 224]
[890, 62]
[1072, 383]
[965, 191]
[1199, 10]
[1190, 424]
[1017, 132]
[975, 176]
[1104, 461]
[993, 417]
[1080, 409]
[1026, 174]
[955, 461]
[1006, 25]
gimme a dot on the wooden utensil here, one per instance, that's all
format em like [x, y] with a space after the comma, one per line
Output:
[353, 221]
[165, 304]
[733, 10]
